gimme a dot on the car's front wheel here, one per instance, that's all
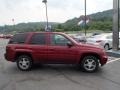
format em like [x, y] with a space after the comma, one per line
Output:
[24, 62]
[107, 47]
[90, 63]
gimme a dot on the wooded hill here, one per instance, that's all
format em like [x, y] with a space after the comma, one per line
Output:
[98, 21]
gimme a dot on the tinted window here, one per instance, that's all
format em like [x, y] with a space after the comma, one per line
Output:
[18, 39]
[59, 40]
[38, 38]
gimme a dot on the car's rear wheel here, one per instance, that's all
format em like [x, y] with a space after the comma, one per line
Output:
[90, 63]
[24, 62]
[106, 47]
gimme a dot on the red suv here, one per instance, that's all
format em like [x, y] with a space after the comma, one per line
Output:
[52, 48]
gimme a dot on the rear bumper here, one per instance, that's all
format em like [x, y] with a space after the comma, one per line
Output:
[8, 58]
[5, 56]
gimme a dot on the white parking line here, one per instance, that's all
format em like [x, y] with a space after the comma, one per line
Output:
[113, 60]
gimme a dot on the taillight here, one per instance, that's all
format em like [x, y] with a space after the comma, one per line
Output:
[98, 41]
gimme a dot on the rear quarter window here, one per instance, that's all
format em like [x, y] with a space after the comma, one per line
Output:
[38, 39]
[18, 39]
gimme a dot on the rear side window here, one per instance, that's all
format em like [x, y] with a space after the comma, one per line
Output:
[18, 39]
[38, 38]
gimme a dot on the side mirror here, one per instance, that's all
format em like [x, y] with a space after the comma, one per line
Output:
[69, 44]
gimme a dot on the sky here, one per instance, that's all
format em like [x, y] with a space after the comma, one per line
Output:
[23, 11]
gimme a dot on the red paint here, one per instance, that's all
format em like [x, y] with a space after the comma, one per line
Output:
[54, 54]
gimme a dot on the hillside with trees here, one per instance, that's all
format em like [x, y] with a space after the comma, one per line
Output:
[26, 27]
[98, 21]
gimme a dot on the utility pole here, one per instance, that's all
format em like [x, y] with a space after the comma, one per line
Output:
[85, 20]
[116, 24]
[13, 21]
[45, 2]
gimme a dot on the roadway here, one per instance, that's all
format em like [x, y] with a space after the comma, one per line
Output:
[58, 77]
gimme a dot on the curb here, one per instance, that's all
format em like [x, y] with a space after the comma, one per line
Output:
[113, 53]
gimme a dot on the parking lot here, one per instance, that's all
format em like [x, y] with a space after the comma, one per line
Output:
[58, 77]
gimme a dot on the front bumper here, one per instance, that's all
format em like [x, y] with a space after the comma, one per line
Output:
[104, 60]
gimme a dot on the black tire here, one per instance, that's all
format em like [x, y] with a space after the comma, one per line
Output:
[106, 47]
[90, 64]
[24, 63]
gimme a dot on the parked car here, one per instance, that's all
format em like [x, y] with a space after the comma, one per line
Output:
[95, 33]
[103, 40]
[78, 37]
[1, 35]
[53, 48]
[7, 36]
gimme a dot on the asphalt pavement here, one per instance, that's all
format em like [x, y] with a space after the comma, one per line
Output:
[58, 77]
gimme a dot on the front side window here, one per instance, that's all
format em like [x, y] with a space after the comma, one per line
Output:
[38, 38]
[18, 39]
[59, 40]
